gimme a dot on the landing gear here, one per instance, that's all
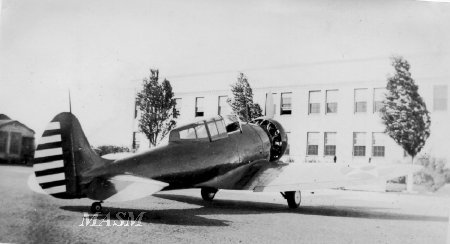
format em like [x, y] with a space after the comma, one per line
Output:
[208, 194]
[293, 198]
[96, 207]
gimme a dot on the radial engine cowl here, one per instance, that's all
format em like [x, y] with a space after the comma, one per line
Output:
[277, 136]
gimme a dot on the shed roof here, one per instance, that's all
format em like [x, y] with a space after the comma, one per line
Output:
[4, 117]
[10, 121]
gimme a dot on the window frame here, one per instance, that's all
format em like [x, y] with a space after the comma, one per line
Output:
[325, 143]
[219, 108]
[378, 146]
[326, 101]
[5, 138]
[355, 149]
[374, 102]
[308, 145]
[355, 103]
[219, 135]
[175, 108]
[285, 111]
[274, 104]
[14, 146]
[288, 146]
[309, 102]
[196, 107]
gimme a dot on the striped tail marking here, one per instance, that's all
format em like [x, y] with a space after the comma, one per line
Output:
[49, 160]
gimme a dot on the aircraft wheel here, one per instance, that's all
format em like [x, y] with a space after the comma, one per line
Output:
[293, 198]
[96, 207]
[208, 194]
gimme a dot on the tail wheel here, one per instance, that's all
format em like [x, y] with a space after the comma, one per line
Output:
[293, 198]
[208, 194]
[96, 207]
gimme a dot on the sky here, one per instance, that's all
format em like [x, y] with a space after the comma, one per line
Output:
[101, 50]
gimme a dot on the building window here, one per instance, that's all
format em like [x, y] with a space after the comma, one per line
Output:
[288, 147]
[314, 102]
[440, 98]
[330, 144]
[274, 103]
[378, 97]
[15, 143]
[313, 143]
[360, 100]
[177, 108]
[222, 105]
[378, 144]
[136, 108]
[359, 144]
[286, 103]
[199, 112]
[3, 141]
[136, 142]
[332, 104]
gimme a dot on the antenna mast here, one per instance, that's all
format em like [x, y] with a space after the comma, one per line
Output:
[70, 103]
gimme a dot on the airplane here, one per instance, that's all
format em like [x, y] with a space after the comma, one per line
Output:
[221, 152]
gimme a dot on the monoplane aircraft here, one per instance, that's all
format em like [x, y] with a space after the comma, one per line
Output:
[216, 153]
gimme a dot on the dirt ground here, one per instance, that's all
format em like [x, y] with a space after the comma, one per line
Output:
[328, 216]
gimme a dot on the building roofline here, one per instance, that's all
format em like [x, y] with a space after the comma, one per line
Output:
[345, 83]
[8, 122]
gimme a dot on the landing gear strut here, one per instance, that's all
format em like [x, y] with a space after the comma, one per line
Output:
[208, 194]
[96, 207]
[293, 198]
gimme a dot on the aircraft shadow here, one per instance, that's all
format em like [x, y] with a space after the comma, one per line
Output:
[194, 216]
[220, 206]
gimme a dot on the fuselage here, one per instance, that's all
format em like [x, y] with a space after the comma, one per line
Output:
[187, 163]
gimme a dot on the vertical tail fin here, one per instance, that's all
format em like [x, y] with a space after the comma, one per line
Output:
[61, 157]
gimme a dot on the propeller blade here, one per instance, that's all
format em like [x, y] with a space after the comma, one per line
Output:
[270, 109]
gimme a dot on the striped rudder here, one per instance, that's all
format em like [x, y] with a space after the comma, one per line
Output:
[61, 157]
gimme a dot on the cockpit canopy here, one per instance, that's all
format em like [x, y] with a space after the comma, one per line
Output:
[206, 130]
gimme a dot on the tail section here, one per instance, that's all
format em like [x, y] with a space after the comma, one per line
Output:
[61, 157]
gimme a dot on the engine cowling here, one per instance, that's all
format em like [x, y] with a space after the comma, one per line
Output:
[277, 136]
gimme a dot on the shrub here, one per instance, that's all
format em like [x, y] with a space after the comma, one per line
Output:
[107, 149]
[434, 174]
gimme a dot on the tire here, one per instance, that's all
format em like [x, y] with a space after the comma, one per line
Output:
[293, 198]
[208, 194]
[96, 207]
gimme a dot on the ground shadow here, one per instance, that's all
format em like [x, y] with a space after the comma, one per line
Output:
[168, 216]
[195, 216]
[220, 206]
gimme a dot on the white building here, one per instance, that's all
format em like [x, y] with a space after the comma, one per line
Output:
[335, 119]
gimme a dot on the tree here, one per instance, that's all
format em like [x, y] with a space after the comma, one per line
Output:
[242, 102]
[404, 113]
[157, 106]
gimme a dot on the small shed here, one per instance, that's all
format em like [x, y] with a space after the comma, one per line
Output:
[16, 141]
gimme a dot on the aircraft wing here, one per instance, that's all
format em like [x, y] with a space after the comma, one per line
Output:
[313, 176]
[277, 176]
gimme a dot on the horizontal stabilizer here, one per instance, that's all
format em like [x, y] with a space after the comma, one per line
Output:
[123, 188]
[117, 156]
